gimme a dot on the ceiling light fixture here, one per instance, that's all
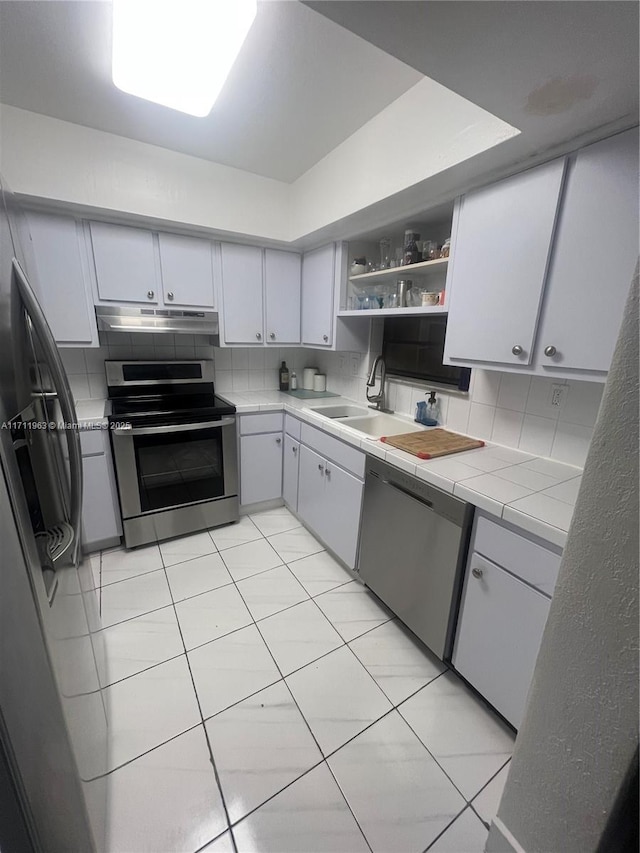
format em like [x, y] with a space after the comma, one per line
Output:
[178, 53]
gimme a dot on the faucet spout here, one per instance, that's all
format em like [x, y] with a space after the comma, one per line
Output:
[378, 398]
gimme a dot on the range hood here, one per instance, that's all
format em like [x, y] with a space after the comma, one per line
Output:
[158, 320]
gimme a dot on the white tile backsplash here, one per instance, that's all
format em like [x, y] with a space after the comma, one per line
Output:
[509, 409]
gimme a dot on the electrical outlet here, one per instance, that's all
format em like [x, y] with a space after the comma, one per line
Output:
[558, 393]
[355, 364]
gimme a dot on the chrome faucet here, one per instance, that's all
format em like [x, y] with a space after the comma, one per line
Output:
[378, 398]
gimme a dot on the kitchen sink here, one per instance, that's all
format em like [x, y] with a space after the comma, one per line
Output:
[380, 424]
[338, 411]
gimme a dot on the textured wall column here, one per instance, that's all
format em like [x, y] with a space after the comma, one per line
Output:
[580, 729]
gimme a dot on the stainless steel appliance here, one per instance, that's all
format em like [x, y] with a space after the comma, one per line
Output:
[175, 449]
[413, 543]
[115, 318]
[52, 717]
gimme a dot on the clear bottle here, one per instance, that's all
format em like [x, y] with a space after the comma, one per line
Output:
[284, 377]
[293, 382]
[411, 255]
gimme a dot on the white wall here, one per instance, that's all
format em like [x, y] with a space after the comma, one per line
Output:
[55, 160]
[422, 133]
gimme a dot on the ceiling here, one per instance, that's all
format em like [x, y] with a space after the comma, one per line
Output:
[300, 86]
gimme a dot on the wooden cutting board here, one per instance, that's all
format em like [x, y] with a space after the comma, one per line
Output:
[432, 443]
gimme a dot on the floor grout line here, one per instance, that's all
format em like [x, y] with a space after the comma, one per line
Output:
[324, 759]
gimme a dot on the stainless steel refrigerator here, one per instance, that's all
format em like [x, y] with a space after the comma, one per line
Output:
[53, 721]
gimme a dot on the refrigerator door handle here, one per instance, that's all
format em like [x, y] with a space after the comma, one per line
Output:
[65, 398]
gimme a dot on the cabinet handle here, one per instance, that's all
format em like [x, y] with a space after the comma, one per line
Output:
[294, 449]
[272, 335]
[477, 573]
[325, 338]
[258, 336]
[550, 351]
[327, 472]
[170, 295]
[516, 350]
[278, 440]
[321, 467]
[150, 294]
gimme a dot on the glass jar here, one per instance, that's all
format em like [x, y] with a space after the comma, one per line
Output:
[446, 248]
[385, 253]
[411, 255]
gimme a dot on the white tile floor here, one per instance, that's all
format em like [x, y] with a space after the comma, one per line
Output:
[261, 699]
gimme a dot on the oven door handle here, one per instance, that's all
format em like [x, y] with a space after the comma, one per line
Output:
[159, 430]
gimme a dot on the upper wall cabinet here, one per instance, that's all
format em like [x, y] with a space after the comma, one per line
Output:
[530, 297]
[282, 297]
[186, 265]
[62, 279]
[500, 250]
[125, 264]
[318, 289]
[241, 278]
[594, 257]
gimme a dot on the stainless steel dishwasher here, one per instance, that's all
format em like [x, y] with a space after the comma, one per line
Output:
[413, 544]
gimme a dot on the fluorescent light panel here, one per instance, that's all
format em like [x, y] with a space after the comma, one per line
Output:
[178, 53]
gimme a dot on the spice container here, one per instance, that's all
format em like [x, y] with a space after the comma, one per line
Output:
[446, 248]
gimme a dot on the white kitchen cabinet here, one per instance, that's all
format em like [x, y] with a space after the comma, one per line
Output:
[260, 467]
[101, 523]
[594, 257]
[496, 275]
[318, 289]
[282, 297]
[330, 503]
[125, 264]
[186, 265]
[290, 470]
[499, 633]
[242, 303]
[62, 278]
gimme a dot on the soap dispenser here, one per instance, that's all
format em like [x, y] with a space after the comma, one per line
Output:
[433, 408]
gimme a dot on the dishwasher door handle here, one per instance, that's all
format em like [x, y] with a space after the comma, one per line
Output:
[408, 493]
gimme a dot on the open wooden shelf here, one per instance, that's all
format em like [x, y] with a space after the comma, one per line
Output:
[395, 312]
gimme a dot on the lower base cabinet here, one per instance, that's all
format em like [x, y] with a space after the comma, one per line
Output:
[260, 467]
[499, 636]
[505, 603]
[101, 524]
[330, 502]
[290, 469]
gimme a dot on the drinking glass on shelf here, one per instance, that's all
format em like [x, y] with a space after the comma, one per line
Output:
[385, 249]
[391, 300]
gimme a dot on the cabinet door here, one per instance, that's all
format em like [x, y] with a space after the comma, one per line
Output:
[290, 472]
[594, 257]
[187, 270]
[498, 636]
[311, 491]
[100, 511]
[282, 296]
[242, 294]
[343, 504]
[498, 265]
[61, 278]
[125, 263]
[318, 276]
[260, 467]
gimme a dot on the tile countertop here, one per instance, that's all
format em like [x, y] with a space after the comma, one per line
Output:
[536, 494]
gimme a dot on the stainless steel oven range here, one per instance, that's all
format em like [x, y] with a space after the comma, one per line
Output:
[174, 447]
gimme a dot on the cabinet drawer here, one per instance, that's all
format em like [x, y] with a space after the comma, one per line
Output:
[252, 424]
[522, 557]
[292, 426]
[339, 452]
